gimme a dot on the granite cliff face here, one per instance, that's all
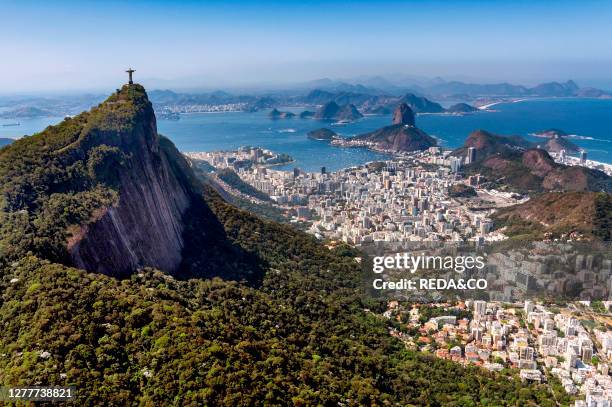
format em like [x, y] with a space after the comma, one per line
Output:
[403, 115]
[145, 227]
[113, 194]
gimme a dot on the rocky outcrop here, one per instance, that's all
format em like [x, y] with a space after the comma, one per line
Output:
[333, 111]
[556, 145]
[512, 162]
[276, 114]
[398, 137]
[328, 111]
[145, 227]
[403, 115]
[348, 113]
[420, 104]
[323, 135]
[461, 108]
[557, 141]
[486, 144]
[538, 162]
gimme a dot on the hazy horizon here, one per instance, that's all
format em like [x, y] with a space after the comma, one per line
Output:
[85, 47]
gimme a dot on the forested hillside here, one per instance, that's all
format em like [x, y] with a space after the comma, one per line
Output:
[256, 313]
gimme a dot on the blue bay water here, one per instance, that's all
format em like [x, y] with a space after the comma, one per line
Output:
[590, 118]
[226, 131]
[26, 127]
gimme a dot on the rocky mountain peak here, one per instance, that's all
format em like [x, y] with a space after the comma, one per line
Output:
[403, 114]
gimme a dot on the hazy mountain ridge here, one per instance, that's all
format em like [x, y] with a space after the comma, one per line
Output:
[367, 98]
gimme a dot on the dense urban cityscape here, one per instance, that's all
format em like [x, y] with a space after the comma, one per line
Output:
[420, 196]
[533, 340]
[408, 198]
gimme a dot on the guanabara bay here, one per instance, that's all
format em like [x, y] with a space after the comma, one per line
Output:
[125, 274]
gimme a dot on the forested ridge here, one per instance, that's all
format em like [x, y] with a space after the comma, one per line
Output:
[295, 331]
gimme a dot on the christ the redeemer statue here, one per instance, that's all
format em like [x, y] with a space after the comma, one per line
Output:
[130, 72]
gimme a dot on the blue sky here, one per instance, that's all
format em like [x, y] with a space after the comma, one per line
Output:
[86, 45]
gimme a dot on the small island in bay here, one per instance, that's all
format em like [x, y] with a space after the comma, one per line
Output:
[550, 133]
[277, 114]
[557, 141]
[461, 108]
[323, 134]
[333, 111]
[401, 136]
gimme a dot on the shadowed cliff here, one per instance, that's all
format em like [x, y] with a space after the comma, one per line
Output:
[115, 197]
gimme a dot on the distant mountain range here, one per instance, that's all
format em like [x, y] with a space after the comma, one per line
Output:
[382, 98]
[376, 95]
[438, 88]
[27, 111]
[381, 104]
[58, 106]
[334, 111]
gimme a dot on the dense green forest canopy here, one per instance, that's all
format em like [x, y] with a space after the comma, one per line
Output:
[303, 336]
